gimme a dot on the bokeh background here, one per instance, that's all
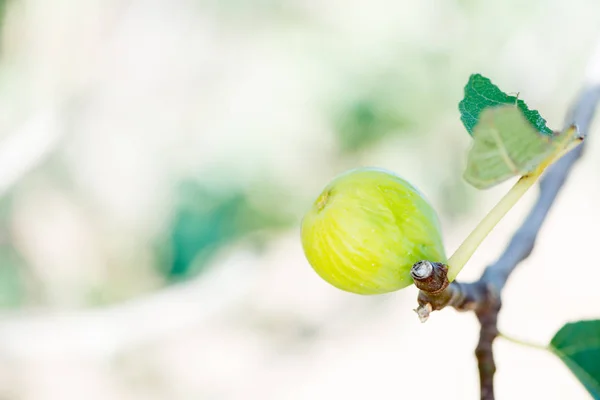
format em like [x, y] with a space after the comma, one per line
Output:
[156, 158]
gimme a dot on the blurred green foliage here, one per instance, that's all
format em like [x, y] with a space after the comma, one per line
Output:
[397, 96]
[12, 266]
[365, 120]
[3, 7]
[207, 219]
[12, 288]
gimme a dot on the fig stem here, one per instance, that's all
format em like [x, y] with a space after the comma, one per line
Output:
[464, 252]
[523, 342]
[466, 249]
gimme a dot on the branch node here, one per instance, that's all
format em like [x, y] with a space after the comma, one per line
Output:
[430, 277]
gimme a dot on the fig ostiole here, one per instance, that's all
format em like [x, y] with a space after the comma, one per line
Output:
[367, 228]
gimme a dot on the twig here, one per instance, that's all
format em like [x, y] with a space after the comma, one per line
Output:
[484, 296]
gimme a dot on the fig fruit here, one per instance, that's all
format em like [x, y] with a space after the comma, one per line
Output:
[367, 229]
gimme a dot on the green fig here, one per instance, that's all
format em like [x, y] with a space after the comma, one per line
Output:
[367, 229]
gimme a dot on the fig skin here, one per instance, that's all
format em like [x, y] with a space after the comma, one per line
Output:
[367, 229]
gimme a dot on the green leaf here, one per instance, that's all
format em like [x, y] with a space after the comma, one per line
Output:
[481, 93]
[578, 346]
[506, 145]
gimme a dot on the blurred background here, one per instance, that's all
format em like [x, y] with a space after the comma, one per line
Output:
[156, 158]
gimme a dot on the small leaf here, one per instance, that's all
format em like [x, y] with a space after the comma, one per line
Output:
[481, 93]
[506, 145]
[578, 346]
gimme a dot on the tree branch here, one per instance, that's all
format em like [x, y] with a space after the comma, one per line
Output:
[484, 296]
